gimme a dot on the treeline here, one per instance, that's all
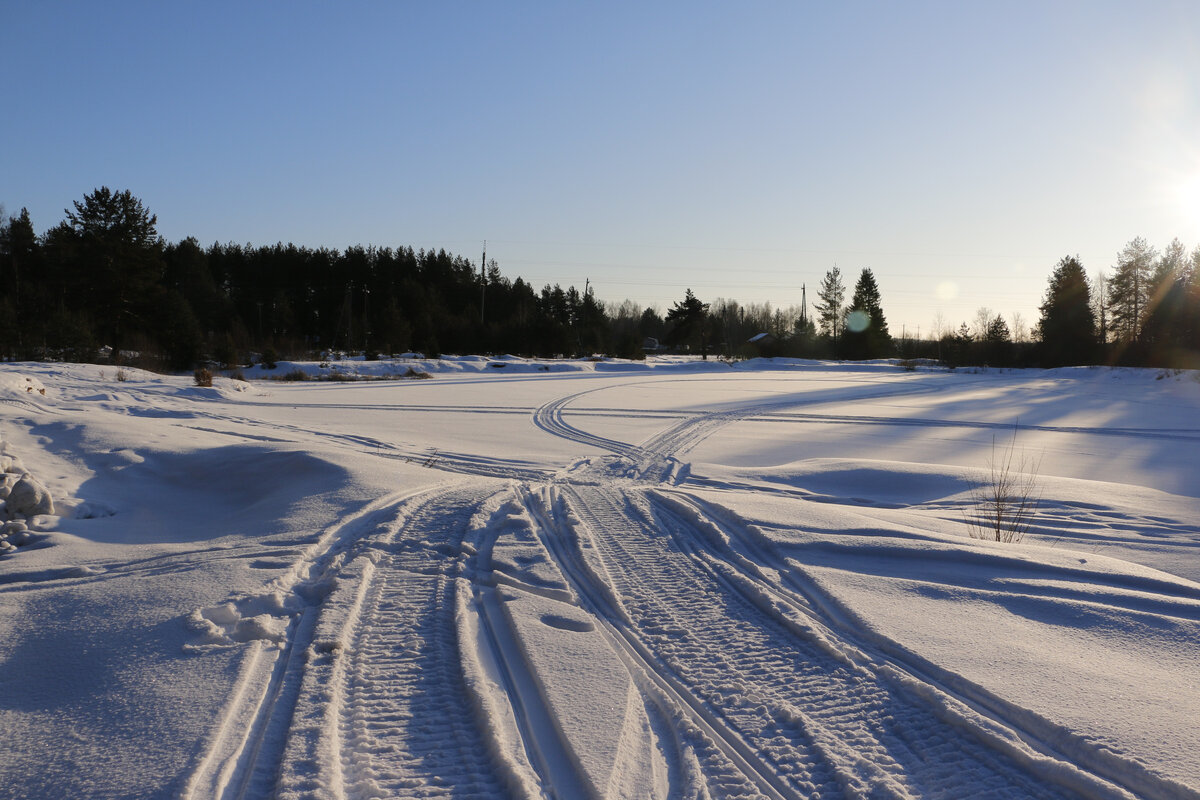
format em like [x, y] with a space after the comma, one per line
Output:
[103, 285]
[1145, 313]
[103, 278]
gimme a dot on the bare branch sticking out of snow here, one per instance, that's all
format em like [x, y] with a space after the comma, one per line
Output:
[1007, 498]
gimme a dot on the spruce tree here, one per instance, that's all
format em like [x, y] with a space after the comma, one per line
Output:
[866, 329]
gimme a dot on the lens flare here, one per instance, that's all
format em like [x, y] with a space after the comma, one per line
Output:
[857, 321]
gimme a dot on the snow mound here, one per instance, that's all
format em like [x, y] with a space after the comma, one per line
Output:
[13, 383]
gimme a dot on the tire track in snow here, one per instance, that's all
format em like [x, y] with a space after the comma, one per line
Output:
[463, 463]
[241, 757]
[822, 723]
[655, 458]
[401, 723]
[1034, 742]
[533, 719]
[549, 418]
[677, 439]
[727, 765]
[690, 431]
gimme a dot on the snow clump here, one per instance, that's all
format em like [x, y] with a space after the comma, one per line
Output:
[28, 498]
[22, 497]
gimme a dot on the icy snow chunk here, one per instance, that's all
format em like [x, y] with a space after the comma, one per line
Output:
[263, 626]
[29, 497]
[263, 617]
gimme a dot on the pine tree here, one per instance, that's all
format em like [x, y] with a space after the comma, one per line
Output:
[118, 259]
[997, 331]
[1067, 329]
[830, 299]
[1129, 289]
[690, 320]
[19, 265]
[1167, 269]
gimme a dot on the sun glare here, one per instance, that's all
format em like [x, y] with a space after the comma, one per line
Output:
[946, 290]
[1188, 200]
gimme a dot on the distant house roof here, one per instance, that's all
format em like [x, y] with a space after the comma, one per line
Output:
[761, 338]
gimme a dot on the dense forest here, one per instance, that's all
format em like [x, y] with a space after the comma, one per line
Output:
[103, 285]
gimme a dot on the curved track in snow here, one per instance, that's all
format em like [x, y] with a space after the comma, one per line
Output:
[408, 671]
[811, 718]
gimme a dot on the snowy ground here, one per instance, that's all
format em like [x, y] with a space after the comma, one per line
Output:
[604, 580]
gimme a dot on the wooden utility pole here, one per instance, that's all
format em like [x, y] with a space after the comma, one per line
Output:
[482, 281]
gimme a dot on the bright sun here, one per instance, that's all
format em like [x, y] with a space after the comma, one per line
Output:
[1188, 199]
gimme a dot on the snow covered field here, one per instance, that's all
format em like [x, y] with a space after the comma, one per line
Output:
[598, 580]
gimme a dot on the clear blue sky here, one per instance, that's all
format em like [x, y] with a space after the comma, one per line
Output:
[958, 149]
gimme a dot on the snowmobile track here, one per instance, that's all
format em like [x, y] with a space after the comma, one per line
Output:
[811, 720]
[405, 727]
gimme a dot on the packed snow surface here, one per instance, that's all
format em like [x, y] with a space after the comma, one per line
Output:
[596, 579]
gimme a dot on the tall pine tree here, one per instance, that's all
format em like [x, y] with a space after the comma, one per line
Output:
[830, 299]
[1129, 289]
[118, 260]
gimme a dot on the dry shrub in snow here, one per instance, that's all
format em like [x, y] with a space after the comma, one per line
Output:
[1004, 501]
[203, 377]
